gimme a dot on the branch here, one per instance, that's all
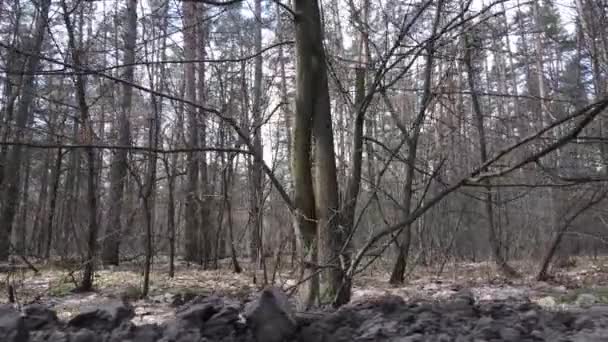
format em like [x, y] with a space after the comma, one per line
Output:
[129, 148]
[243, 135]
[588, 113]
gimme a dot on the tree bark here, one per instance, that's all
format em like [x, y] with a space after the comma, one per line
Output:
[55, 176]
[304, 201]
[87, 137]
[12, 176]
[256, 174]
[313, 103]
[192, 234]
[206, 224]
[118, 168]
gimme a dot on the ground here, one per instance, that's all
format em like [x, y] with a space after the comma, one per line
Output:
[54, 284]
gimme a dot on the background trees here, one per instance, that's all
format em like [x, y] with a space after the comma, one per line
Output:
[387, 133]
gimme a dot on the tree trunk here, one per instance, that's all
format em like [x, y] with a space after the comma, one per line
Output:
[11, 92]
[192, 234]
[405, 238]
[494, 241]
[304, 201]
[288, 118]
[227, 184]
[206, 226]
[87, 137]
[55, 176]
[118, 168]
[21, 246]
[72, 195]
[256, 174]
[171, 211]
[313, 103]
[12, 176]
[354, 181]
[37, 233]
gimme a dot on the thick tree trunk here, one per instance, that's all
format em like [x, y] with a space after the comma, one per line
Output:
[11, 88]
[313, 103]
[192, 234]
[304, 201]
[206, 224]
[118, 168]
[12, 176]
[288, 118]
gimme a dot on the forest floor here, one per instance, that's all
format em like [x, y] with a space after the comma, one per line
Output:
[54, 285]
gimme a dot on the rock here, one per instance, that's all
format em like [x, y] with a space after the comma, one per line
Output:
[537, 334]
[270, 316]
[411, 338]
[269, 319]
[222, 322]
[547, 302]
[586, 300]
[198, 314]
[180, 299]
[601, 335]
[49, 336]
[583, 322]
[377, 328]
[84, 335]
[509, 334]
[176, 333]
[466, 296]
[146, 333]
[486, 329]
[12, 326]
[38, 317]
[444, 338]
[529, 317]
[177, 300]
[104, 318]
[463, 302]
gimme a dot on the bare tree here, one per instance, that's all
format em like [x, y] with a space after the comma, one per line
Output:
[469, 50]
[87, 134]
[119, 166]
[192, 234]
[12, 174]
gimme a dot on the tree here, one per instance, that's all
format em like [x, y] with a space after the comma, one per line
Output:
[81, 96]
[469, 51]
[12, 174]
[313, 122]
[398, 273]
[119, 164]
[256, 210]
[192, 234]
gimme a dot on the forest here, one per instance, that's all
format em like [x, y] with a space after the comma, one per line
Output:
[316, 145]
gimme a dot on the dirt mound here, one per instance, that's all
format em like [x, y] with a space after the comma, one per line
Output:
[388, 318]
